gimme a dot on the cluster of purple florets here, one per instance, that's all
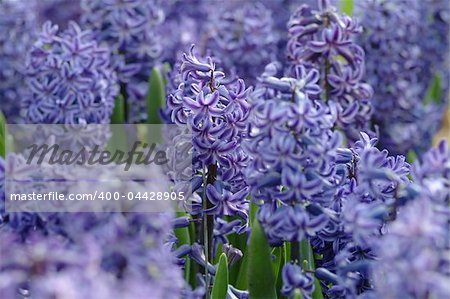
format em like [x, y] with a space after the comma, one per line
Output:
[405, 42]
[293, 115]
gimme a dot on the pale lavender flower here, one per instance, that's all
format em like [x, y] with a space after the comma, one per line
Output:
[242, 37]
[18, 24]
[406, 43]
[130, 30]
[413, 257]
[69, 78]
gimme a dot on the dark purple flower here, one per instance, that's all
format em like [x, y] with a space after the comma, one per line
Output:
[294, 278]
[227, 203]
[324, 39]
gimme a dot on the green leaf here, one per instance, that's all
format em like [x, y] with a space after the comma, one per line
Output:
[156, 97]
[2, 135]
[118, 115]
[306, 254]
[220, 287]
[347, 7]
[434, 92]
[276, 262]
[317, 294]
[261, 280]
[307, 258]
[287, 251]
[242, 280]
[279, 283]
[411, 156]
[194, 266]
[2, 124]
[183, 237]
[240, 242]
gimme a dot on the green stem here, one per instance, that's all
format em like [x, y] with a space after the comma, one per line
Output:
[123, 92]
[326, 84]
[206, 235]
[208, 222]
[295, 252]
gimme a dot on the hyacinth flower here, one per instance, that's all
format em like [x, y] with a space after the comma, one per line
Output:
[418, 248]
[131, 30]
[323, 39]
[432, 173]
[406, 45]
[138, 264]
[60, 12]
[292, 149]
[365, 200]
[183, 23]
[414, 249]
[293, 279]
[52, 254]
[216, 110]
[69, 78]
[242, 37]
[17, 30]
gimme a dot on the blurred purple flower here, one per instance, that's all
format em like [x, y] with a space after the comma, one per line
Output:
[69, 78]
[406, 45]
[294, 278]
[18, 24]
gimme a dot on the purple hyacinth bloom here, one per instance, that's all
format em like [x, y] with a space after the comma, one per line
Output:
[69, 78]
[332, 43]
[216, 110]
[323, 38]
[59, 12]
[366, 199]
[432, 173]
[413, 255]
[406, 45]
[292, 149]
[289, 223]
[227, 203]
[242, 37]
[131, 30]
[294, 278]
[233, 254]
[18, 24]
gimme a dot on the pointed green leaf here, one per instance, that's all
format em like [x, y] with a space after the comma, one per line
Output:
[287, 251]
[411, 156]
[240, 242]
[220, 287]
[277, 253]
[261, 282]
[307, 258]
[156, 97]
[2, 124]
[242, 280]
[434, 92]
[183, 237]
[347, 7]
[118, 115]
[2, 135]
[279, 283]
